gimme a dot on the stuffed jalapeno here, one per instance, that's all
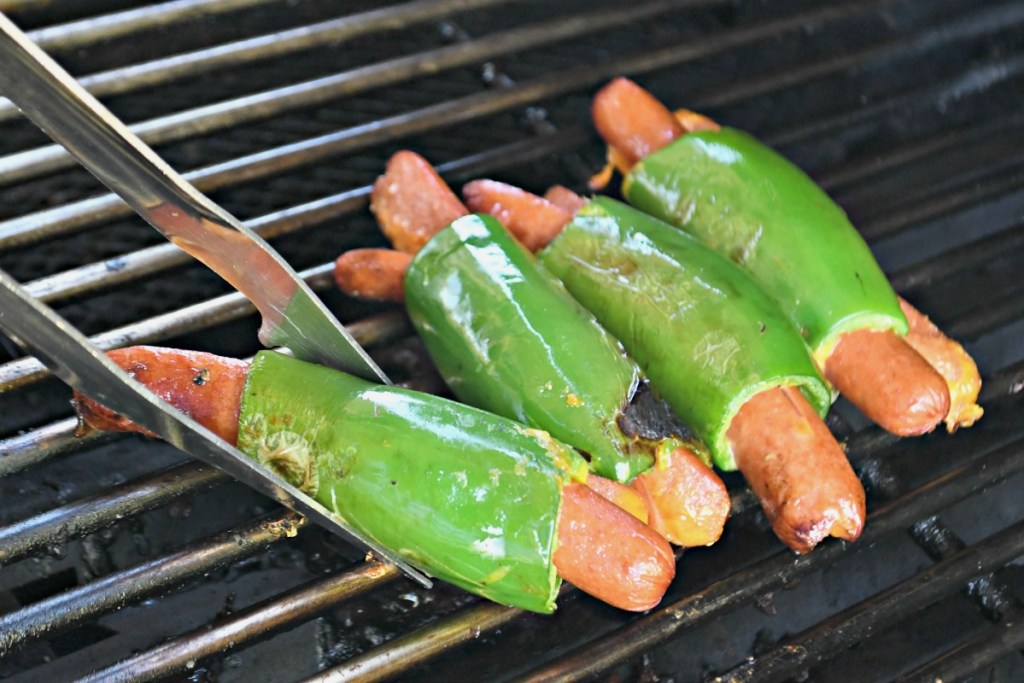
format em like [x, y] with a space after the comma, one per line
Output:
[466, 496]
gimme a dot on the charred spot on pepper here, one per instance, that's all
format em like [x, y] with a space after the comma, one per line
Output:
[648, 416]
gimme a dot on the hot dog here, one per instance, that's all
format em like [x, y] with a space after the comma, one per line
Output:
[372, 273]
[899, 392]
[796, 468]
[600, 548]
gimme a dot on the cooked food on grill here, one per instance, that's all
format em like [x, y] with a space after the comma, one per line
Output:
[471, 498]
[509, 339]
[757, 209]
[709, 339]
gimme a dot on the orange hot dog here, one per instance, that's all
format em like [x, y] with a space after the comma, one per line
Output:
[797, 469]
[888, 381]
[204, 386]
[952, 362]
[532, 220]
[409, 219]
[599, 547]
[686, 500]
[376, 274]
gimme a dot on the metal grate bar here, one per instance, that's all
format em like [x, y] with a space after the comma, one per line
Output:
[777, 571]
[60, 220]
[902, 600]
[56, 527]
[230, 113]
[80, 33]
[96, 210]
[260, 620]
[970, 256]
[402, 654]
[985, 649]
[52, 222]
[31, 448]
[977, 132]
[261, 48]
[925, 39]
[71, 608]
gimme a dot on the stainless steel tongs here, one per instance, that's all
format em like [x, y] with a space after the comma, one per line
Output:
[292, 314]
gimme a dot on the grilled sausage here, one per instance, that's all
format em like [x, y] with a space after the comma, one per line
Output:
[375, 274]
[954, 364]
[532, 220]
[888, 381]
[415, 216]
[792, 462]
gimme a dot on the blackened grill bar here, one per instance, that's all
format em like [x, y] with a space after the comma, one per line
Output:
[90, 211]
[928, 160]
[209, 119]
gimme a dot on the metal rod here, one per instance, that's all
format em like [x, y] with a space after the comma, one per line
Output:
[264, 47]
[59, 220]
[33, 447]
[971, 256]
[852, 625]
[82, 32]
[54, 528]
[972, 655]
[245, 626]
[403, 653]
[203, 120]
[73, 607]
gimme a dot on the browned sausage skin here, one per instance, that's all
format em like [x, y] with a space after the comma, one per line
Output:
[603, 550]
[608, 553]
[532, 220]
[797, 469]
[409, 219]
[888, 381]
[204, 386]
[376, 274]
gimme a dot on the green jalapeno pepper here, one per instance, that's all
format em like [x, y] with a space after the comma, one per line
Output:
[467, 496]
[754, 207]
[508, 338]
[705, 333]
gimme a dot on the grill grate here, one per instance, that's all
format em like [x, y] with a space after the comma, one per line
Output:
[121, 559]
